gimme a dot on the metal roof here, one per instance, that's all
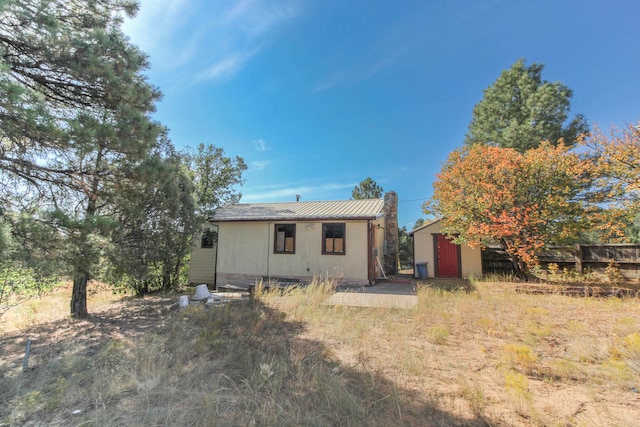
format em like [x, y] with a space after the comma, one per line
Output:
[301, 211]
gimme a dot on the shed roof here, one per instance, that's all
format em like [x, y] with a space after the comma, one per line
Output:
[423, 226]
[301, 211]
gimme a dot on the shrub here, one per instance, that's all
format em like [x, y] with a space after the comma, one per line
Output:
[519, 356]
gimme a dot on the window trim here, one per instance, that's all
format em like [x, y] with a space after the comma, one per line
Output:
[344, 238]
[275, 239]
[210, 235]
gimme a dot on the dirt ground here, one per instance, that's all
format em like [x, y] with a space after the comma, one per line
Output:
[466, 367]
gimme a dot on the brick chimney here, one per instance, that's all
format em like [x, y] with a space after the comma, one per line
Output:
[391, 240]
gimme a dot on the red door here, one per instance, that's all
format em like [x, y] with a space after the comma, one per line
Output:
[447, 257]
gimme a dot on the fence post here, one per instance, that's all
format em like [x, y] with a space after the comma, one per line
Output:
[578, 258]
[25, 361]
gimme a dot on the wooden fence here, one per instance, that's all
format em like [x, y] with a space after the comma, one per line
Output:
[583, 258]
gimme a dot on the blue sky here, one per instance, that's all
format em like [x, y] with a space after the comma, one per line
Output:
[317, 95]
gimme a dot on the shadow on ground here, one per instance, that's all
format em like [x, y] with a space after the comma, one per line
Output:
[449, 285]
[130, 318]
[229, 346]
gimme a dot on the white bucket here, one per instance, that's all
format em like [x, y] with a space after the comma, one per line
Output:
[202, 292]
[184, 301]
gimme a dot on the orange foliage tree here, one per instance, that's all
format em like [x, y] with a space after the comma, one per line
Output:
[616, 173]
[521, 201]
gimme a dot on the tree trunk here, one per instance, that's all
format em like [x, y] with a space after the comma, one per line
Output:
[79, 295]
[519, 267]
[177, 272]
[166, 275]
[143, 289]
[522, 272]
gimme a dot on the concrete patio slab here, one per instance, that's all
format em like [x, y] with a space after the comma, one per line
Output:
[384, 295]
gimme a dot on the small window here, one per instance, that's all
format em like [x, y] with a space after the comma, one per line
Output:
[333, 241]
[208, 239]
[285, 239]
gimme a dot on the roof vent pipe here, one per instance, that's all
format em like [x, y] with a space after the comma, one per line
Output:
[297, 197]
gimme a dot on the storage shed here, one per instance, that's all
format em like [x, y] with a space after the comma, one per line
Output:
[443, 258]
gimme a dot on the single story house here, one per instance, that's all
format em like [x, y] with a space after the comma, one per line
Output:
[442, 257]
[351, 241]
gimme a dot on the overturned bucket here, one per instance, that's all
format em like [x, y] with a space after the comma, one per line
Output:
[184, 301]
[202, 292]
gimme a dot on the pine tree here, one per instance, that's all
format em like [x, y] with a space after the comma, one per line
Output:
[520, 110]
[74, 118]
[367, 189]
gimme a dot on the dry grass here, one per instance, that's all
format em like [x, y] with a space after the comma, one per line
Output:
[477, 354]
[54, 306]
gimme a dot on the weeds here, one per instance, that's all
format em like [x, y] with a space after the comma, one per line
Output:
[475, 397]
[437, 334]
[567, 370]
[612, 271]
[587, 349]
[566, 276]
[481, 355]
[631, 351]
[519, 356]
[19, 282]
[517, 387]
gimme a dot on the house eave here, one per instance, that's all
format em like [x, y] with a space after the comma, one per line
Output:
[213, 219]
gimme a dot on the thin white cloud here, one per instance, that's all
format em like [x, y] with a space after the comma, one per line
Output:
[356, 69]
[216, 38]
[260, 144]
[333, 79]
[309, 192]
[225, 67]
[253, 18]
[393, 46]
[259, 165]
[243, 27]
[155, 21]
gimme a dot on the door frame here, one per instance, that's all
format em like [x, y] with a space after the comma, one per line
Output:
[371, 253]
[435, 256]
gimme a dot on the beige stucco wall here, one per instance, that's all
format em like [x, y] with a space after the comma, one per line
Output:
[245, 252]
[470, 258]
[423, 249]
[202, 265]
[471, 261]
